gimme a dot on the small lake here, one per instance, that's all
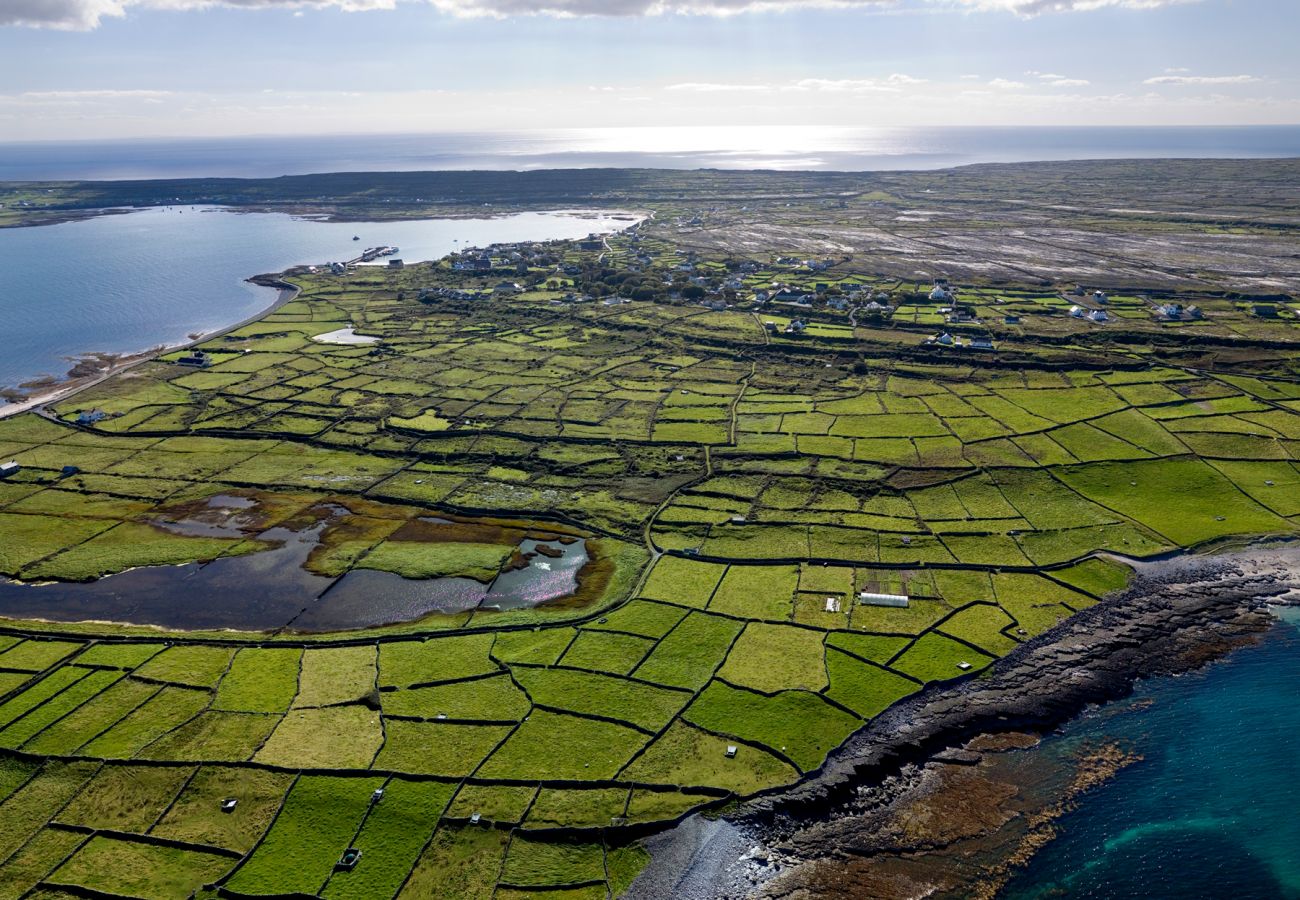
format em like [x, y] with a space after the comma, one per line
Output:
[273, 589]
[126, 283]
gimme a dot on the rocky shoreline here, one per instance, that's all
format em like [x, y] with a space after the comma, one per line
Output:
[918, 777]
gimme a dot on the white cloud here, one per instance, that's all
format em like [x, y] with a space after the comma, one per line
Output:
[623, 8]
[894, 84]
[87, 14]
[83, 15]
[95, 95]
[708, 87]
[1005, 84]
[1202, 79]
[1038, 7]
[1051, 79]
[841, 85]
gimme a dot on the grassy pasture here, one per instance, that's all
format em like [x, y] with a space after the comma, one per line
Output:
[776, 471]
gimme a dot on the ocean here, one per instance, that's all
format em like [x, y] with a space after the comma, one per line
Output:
[126, 283]
[755, 147]
[1211, 810]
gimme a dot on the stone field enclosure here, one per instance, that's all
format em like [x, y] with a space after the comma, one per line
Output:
[637, 499]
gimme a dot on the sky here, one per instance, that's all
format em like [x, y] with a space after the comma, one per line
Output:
[98, 69]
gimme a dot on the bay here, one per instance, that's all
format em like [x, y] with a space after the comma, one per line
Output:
[126, 283]
[1210, 810]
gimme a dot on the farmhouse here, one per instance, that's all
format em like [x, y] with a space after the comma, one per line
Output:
[90, 416]
[198, 359]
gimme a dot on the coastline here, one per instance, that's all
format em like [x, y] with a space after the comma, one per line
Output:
[64, 388]
[52, 389]
[844, 831]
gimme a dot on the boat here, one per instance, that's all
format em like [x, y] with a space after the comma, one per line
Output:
[356, 237]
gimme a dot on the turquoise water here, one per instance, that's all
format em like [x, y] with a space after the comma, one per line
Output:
[125, 283]
[1213, 810]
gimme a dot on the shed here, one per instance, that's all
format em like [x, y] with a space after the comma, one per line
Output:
[872, 599]
[9, 468]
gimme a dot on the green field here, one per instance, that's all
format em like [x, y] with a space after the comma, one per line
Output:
[735, 489]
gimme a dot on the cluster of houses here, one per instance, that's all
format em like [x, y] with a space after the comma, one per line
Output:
[1176, 312]
[1094, 315]
[812, 265]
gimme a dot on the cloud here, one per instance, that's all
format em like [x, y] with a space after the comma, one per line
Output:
[1005, 84]
[708, 87]
[894, 84]
[1038, 7]
[625, 8]
[95, 95]
[72, 15]
[840, 85]
[1050, 79]
[1202, 79]
[84, 15]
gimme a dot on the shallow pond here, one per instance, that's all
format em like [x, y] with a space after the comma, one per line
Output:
[272, 589]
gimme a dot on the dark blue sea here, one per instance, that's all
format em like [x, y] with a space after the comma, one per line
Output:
[756, 147]
[1213, 809]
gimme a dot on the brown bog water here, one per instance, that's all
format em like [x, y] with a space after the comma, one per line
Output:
[272, 589]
